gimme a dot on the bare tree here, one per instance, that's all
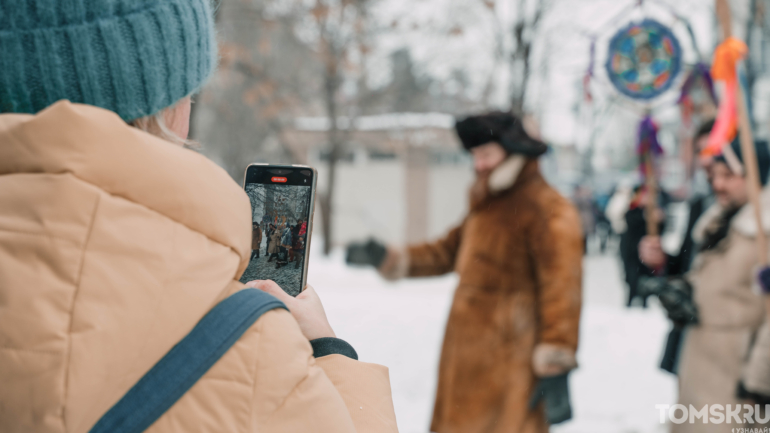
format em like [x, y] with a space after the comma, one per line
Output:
[266, 77]
[336, 31]
[525, 31]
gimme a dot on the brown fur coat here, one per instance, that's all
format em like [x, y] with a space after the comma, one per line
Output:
[516, 310]
[256, 238]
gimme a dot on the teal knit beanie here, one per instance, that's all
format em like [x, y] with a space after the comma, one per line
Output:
[133, 57]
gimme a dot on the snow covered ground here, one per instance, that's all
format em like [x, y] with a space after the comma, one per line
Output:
[401, 325]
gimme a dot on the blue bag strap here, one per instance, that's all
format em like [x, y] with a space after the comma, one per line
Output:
[185, 363]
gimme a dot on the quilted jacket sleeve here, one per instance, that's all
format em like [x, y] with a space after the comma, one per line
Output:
[295, 392]
[365, 388]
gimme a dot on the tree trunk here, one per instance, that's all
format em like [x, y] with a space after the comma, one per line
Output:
[327, 199]
[523, 34]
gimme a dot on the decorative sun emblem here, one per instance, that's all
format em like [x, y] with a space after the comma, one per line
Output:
[644, 59]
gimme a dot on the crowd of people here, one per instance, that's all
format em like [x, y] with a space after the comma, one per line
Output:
[121, 307]
[283, 242]
[710, 287]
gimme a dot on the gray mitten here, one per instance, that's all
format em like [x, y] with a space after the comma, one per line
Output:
[366, 253]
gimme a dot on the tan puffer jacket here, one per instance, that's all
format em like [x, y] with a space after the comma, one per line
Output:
[113, 244]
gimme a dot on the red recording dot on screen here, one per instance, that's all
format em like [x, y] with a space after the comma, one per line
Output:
[279, 179]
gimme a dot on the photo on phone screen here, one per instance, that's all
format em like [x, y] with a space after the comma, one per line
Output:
[280, 224]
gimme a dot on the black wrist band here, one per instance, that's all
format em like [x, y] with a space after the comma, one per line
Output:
[330, 346]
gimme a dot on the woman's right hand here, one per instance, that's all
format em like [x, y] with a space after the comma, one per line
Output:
[306, 308]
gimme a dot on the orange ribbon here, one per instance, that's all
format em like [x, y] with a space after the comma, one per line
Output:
[726, 58]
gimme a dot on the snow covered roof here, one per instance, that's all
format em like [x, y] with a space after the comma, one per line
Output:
[383, 122]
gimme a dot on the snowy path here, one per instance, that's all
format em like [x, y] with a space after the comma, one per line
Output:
[288, 276]
[401, 326]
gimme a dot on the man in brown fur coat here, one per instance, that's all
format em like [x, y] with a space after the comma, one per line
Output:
[512, 331]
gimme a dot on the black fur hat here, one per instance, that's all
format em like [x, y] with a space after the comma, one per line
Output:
[500, 127]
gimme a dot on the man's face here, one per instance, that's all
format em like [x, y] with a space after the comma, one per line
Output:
[729, 188]
[487, 156]
[700, 143]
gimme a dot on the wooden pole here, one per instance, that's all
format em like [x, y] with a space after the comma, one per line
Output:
[724, 16]
[651, 206]
[747, 143]
[752, 172]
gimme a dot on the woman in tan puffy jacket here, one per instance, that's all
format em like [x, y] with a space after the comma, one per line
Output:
[115, 239]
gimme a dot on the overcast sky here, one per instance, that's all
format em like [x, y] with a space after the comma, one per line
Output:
[445, 36]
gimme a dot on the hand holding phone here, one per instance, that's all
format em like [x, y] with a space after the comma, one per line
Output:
[305, 307]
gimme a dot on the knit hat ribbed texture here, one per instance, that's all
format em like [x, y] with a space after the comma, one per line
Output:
[133, 57]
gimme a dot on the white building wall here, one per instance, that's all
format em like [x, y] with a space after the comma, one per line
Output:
[369, 201]
[371, 198]
[448, 203]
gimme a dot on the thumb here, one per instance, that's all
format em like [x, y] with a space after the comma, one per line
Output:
[308, 293]
[270, 286]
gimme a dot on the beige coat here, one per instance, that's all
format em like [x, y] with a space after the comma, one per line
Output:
[723, 348]
[113, 244]
[516, 310]
[275, 242]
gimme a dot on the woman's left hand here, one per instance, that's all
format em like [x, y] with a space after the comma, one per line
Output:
[306, 308]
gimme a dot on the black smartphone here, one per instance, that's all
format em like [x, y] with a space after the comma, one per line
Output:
[282, 207]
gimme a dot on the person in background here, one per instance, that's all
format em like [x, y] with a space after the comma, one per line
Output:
[651, 251]
[256, 239]
[299, 254]
[283, 236]
[303, 227]
[111, 252]
[275, 243]
[618, 205]
[584, 202]
[512, 331]
[724, 354]
[265, 235]
[295, 242]
[603, 225]
[636, 230]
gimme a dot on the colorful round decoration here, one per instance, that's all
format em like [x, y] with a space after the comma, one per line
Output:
[644, 59]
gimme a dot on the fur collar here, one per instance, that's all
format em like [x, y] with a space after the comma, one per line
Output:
[504, 175]
[744, 222]
[501, 179]
[707, 222]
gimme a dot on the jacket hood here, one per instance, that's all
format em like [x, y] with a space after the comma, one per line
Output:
[96, 146]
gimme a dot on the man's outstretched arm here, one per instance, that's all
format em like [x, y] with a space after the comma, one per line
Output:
[423, 260]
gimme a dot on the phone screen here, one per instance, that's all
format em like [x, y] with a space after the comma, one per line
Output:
[282, 208]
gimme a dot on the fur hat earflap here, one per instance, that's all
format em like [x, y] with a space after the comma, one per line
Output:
[502, 128]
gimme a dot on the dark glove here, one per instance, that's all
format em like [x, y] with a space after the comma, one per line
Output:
[764, 280]
[675, 295]
[369, 253]
[676, 298]
[670, 360]
[554, 391]
[756, 397]
[650, 286]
